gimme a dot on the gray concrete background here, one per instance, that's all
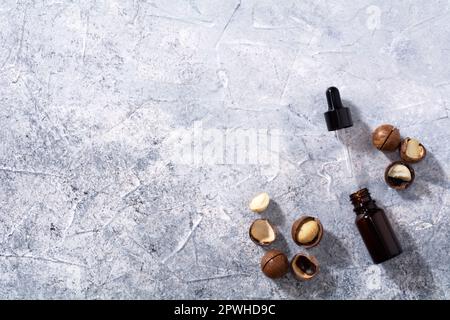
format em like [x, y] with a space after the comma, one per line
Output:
[94, 204]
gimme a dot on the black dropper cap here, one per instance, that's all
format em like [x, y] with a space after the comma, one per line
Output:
[337, 116]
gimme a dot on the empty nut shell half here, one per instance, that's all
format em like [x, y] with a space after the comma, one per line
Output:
[304, 267]
[307, 231]
[399, 175]
[274, 264]
[412, 151]
[262, 232]
[386, 137]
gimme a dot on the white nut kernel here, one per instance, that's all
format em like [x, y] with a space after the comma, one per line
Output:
[401, 172]
[413, 149]
[308, 232]
[260, 202]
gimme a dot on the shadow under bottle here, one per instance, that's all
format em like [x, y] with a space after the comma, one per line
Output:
[374, 227]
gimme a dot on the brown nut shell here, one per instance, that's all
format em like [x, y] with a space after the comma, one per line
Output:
[397, 183]
[304, 267]
[297, 227]
[404, 155]
[386, 137]
[274, 264]
[262, 232]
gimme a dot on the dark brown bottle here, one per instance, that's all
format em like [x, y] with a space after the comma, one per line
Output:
[374, 227]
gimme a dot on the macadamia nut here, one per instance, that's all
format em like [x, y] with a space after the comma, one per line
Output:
[274, 264]
[399, 175]
[400, 171]
[260, 202]
[386, 137]
[304, 267]
[308, 231]
[411, 150]
[414, 149]
[262, 232]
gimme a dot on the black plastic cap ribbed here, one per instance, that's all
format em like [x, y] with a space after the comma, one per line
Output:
[337, 117]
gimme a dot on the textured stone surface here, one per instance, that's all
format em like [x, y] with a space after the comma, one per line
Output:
[95, 204]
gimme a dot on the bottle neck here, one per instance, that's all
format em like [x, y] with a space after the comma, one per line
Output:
[362, 201]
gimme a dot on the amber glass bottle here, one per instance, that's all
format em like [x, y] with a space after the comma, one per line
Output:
[374, 227]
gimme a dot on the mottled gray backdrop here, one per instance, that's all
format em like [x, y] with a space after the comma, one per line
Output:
[94, 202]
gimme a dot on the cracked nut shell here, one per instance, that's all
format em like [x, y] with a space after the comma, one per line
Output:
[386, 138]
[274, 264]
[307, 231]
[412, 151]
[304, 267]
[262, 232]
[396, 177]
